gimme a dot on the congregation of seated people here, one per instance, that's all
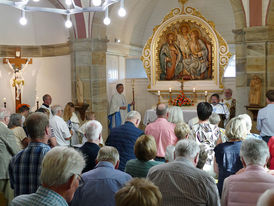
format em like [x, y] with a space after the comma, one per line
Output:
[50, 157]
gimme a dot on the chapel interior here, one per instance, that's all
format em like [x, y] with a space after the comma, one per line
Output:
[101, 56]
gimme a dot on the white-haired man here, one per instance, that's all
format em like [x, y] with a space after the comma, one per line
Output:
[229, 102]
[103, 182]
[60, 177]
[123, 138]
[93, 133]
[246, 187]
[59, 126]
[180, 182]
[8, 148]
[25, 167]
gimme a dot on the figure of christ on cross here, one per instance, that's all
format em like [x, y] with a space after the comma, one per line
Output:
[18, 81]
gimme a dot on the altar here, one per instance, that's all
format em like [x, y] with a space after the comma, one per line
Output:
[150, 115]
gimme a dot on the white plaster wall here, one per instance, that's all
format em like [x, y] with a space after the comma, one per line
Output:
[46, 75]
[42, 28]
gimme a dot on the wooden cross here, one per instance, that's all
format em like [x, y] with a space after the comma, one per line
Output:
[17, 62]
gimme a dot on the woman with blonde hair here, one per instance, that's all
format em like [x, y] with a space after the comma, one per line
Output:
[145, 150]
[72, 121]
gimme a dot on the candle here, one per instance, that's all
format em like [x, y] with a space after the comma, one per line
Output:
[4, 100]
[194, 90]
[169, 89]
[37, 99]
[159, 92]
[205, 93]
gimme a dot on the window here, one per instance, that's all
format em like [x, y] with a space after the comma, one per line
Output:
[135, 69]
[230, 70]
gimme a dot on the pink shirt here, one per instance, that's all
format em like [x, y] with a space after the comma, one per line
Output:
[163, 132]
[245, 188]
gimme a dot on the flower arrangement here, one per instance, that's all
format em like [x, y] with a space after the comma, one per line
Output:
[182, 100]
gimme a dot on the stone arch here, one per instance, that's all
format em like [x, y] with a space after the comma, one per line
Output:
[270, 13]
[239, 13]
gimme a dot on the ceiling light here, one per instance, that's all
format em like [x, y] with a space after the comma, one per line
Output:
[23, 21]
[97, 2]
[68, 2]
[68, 22]
[106, 19]
[122, 12]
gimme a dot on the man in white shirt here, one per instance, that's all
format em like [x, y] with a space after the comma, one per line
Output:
[46, 104]
[59, 126]
[220, 108]
[118, 108]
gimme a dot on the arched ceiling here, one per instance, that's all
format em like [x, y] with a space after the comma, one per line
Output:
[143, 15]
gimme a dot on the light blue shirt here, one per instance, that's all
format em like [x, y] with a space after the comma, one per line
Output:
[265, 121]
[42, 197]
[100, 186]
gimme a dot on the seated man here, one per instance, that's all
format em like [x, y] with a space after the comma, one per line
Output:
[25, 167]
[245, 188]
[103, 182]
[59, 126]
[123, 138]
[220, 108]
[162, 131]
[138, 192]
[60, 177]
[90, 148]
[180, 182]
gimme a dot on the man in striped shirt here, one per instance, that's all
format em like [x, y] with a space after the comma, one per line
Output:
[25, 167]
[181, 183]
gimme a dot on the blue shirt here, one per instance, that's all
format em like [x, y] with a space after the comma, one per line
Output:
[42, 197]
[25, 168]
[228, 159]
[123, 138]
[100, 186]
[265, 121]
[90, 151]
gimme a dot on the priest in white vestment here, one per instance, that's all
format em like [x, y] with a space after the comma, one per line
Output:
[221, 109]
[118, 108]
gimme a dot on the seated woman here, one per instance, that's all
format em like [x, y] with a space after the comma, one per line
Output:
[248, 122]
[227, 155]
[215, 119]
[145, 150]
[175, 114]
[15, 124]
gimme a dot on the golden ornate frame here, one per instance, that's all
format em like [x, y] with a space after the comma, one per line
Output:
[220, 51]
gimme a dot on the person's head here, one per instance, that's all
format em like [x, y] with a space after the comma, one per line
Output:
[267, 198]
[170, 37]
[228, 93]
[161, 111]
[47, 99]
[108, 154]
[15, 120]
[194, 35]
[134, 117]
[145, 148]
[214, 99]
[184, 28]
[175, 115]
[188, 149]
[90, 116]
[214, 119]
[248, 121]
[57, 110]
[43, 110]
[254, 152]
[236, 129]
[38, 125]
[24, 110]
[61, 169]
[69, 109]
[93, 131]
[137, 192]
[4, 116]
[182, 130]
[270, 96]
[204, 110]
[120, 88]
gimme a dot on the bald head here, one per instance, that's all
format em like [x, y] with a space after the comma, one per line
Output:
[161, 110]
[267, 198]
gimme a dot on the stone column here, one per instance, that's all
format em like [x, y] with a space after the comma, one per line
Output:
[89, 64]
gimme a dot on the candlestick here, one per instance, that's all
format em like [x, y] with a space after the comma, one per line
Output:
[170, 96]
[205, 96]
[169, 90]
[194, 90]
[159, 93]
[159, 96]
[37, 102]
[205, 93]
[133, 94]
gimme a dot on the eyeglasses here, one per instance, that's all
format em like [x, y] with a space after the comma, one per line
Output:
[80, 179]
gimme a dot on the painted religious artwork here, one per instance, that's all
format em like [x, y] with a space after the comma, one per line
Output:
[185, 52]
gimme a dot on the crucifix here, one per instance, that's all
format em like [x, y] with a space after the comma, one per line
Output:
[16, 65]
